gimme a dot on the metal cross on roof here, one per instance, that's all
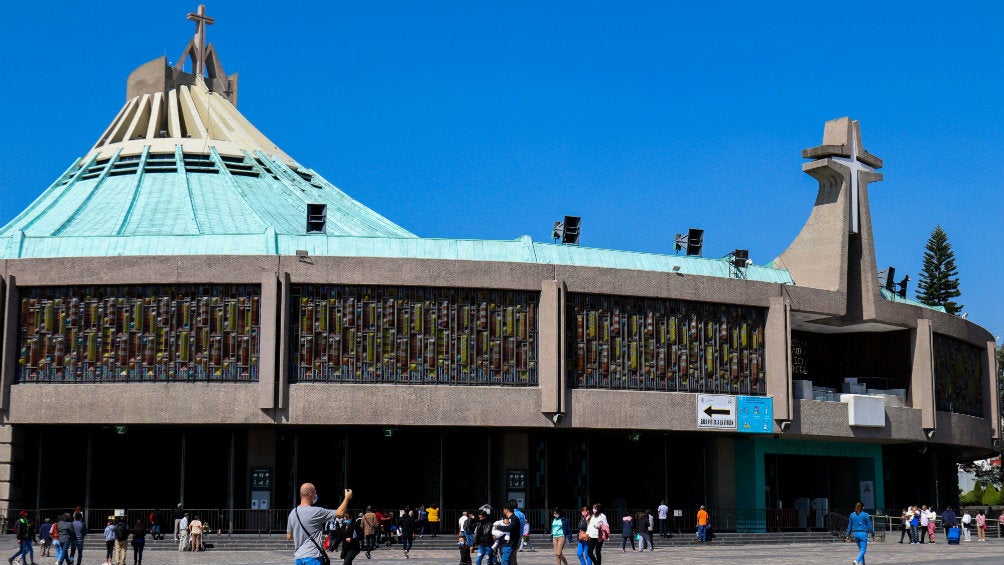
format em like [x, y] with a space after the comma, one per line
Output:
[855, 166]
[201, 21]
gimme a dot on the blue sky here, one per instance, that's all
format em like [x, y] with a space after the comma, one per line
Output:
[490, 120]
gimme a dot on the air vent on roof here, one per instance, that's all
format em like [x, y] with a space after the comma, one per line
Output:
[317, 216]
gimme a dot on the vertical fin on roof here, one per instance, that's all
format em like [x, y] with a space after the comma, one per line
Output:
[174, 120]
[179, 156]
[190, 114]
[94, 189]
[140, 119]
[140, 172]
[156, 111]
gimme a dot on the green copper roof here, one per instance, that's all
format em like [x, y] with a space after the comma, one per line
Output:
[893, 297]
[141, 200]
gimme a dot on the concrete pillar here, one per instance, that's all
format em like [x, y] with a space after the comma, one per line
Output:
[922, 375]
[992, 403]
[6, 458]
[268, 342]
[284, 345]
[777, 356]
[8, 369]
[550, 347]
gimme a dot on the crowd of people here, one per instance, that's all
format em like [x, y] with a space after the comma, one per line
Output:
[65, 539]
[920, 524]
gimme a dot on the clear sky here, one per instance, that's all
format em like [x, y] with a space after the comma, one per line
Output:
[490, 120]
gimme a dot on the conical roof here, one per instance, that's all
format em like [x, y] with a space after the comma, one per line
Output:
[181, 171]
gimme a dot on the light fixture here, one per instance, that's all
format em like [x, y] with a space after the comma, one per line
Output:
[302, 253]
[568, 230]
[785, 425]
[929, 432]
[557, 418]
[741, 258]
[676, 268]
[693, 242]
[902, 286]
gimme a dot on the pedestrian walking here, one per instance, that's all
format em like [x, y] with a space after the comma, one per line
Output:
[23, 533]
[859, 529]
[627, 532]
[598, 532]
[45, 537]
[561, 531]
[582, 547]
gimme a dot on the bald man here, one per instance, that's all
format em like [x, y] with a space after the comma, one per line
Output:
[306, 522]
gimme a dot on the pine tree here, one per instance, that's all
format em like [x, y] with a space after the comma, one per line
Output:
[939, 282]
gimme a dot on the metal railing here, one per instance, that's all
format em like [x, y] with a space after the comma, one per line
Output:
[273, 521]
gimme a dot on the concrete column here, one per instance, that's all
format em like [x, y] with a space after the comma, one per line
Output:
[6, 458]
[8, 355]
[268, 341]
[992, 403]
[284, 345]
[550, 347]
[922, 376]
[777, 353]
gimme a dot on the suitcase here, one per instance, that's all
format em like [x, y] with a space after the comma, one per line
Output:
[953, 535]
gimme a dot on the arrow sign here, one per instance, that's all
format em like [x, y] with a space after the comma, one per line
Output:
[711, 411]
[716, 411]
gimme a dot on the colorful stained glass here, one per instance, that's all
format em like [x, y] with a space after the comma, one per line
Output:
[668, 345]
[380, 334]
[139, 333]
[958, 372]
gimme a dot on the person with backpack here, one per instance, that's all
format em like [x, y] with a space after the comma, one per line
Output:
[121, 541]
[24, 535]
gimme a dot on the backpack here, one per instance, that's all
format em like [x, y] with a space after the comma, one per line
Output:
[471, 526]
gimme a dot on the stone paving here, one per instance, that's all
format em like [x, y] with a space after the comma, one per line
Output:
[988, 553]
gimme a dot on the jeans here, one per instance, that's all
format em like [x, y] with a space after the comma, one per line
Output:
[702, 533]
[309, 561]
[646, 541]
[662, 526]
[76, 549]
[406, 540]
[23, 548]
[369, 543]
[484, 550]
[624, 542]
[137, 549]
[349, 556]
[862, 539]
[582, 552]
[595, 550]
[506, 551]
[61, 550]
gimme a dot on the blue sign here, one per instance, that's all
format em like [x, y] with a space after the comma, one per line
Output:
[755, 414]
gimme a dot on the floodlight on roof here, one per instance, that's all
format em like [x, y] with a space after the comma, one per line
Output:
[568, 230]
[902, 286]
[887, 279]
[741, 258]
[693, 242]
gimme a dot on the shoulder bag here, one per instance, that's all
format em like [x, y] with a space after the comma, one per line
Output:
[325, 560]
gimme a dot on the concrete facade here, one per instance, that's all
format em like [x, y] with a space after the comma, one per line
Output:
[835, 291]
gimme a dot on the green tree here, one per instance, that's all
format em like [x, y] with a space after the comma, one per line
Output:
[991, 496]
[939, 282]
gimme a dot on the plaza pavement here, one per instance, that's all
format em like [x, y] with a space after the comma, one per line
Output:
[988, 553]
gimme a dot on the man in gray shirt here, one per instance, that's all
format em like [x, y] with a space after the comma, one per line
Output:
[306, 522]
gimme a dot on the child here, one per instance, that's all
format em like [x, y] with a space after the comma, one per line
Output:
[500, 531]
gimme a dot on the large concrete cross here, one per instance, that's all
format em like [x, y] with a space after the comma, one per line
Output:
[201, 21]
[855, 166]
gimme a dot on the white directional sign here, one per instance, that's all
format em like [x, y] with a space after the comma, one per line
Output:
[716, 411]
